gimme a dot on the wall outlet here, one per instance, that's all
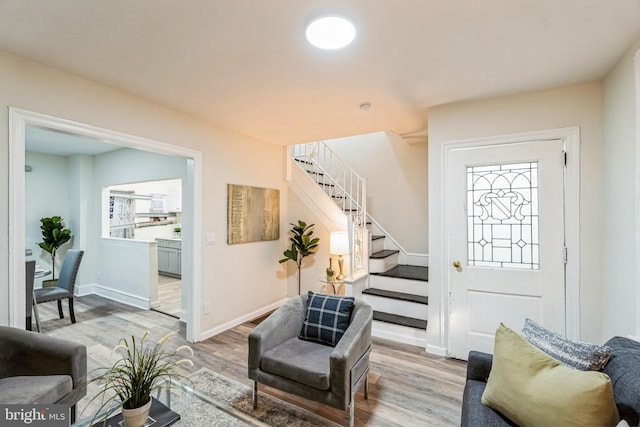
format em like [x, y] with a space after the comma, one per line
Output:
[206, 308]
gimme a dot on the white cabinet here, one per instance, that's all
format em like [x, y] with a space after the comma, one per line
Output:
[170, 257]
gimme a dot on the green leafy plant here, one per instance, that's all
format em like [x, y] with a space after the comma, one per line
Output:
[303, 244]
[54, 235]
[330, 274]
[133, 378]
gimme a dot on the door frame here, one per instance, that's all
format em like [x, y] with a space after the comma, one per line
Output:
[18, 121]
[570, 137]
[636, 66]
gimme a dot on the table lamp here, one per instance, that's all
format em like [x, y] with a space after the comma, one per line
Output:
[339, 245]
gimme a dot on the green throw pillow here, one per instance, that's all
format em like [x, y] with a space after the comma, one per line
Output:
[532, 389]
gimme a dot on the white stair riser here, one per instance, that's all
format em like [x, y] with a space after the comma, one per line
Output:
[406, 286]
[403, 334]
[377, 245]
[383, 264]
[399, 307]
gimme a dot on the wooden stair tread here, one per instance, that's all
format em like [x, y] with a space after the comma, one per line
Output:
[376, 237]
[411, 272]
[399, 320]
[420, 299]
[383, 254]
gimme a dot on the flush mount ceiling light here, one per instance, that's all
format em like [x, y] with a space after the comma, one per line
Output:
[330, 32]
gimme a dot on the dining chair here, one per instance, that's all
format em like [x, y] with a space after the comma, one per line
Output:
[30, 270]
[66, 283]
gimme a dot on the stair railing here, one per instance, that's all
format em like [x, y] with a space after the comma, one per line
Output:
[345, 187]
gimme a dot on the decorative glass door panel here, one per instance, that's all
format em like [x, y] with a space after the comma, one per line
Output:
[502, 216]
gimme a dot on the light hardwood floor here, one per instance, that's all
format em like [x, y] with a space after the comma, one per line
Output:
[408, 387]
[169, 295]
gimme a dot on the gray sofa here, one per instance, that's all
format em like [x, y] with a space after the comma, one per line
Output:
[324, 374]
[623, 368]
[37, 369]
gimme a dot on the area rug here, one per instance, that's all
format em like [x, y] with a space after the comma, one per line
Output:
[271, 410]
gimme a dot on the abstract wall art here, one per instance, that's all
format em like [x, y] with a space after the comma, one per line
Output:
[253, 214]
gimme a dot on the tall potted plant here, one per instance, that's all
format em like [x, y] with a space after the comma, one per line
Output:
[303, 244]
[54, 235]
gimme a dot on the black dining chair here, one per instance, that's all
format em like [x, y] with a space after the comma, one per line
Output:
[30, 271]
[66, 283]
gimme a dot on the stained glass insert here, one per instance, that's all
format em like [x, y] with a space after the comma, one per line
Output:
[502, 205]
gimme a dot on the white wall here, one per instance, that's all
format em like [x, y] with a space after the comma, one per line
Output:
[47, 194]
[127, 271]
[236, 280]
[80, 208]
[619, 256]
[397, 190]
[569, 106]
[314, 266]
[121, 268]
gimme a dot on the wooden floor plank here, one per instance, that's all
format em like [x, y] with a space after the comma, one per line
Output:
[408, 387]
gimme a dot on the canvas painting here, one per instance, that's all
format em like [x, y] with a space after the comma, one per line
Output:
[253, 214]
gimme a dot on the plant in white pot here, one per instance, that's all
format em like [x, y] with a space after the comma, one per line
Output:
[54, 235]
[139, 372]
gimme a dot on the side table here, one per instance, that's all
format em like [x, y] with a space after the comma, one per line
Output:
[334, 287]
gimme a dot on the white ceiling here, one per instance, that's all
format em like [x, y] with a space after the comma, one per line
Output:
[60, 143]
[246, 66]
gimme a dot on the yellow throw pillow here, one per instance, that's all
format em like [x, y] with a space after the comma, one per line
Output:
[532, 389]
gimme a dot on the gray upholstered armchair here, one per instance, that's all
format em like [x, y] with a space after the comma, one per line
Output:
[37, 369]
[321, 373]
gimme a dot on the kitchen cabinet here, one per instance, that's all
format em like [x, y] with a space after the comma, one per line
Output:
[170, 257]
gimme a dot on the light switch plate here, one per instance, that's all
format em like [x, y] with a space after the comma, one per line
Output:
[210, 239]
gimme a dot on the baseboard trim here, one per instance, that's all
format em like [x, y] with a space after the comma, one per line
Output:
[435, 350]
[397, 333]
[114, 295]
[240, 320]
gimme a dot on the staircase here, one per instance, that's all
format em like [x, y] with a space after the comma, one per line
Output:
[397, 291]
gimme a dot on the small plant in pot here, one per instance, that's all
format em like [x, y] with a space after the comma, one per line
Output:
[303, 244]
[139, 372]
[54, 235]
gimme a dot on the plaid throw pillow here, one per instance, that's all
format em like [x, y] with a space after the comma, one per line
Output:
[326, 318]
[578, 355]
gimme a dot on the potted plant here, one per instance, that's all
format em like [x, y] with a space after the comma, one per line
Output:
[54, 235]
[303, 244]
[132, 379]
[177, 231]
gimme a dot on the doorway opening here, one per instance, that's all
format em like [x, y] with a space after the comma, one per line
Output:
[21, 122]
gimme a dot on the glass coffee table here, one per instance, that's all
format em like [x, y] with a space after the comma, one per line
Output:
[195, 409]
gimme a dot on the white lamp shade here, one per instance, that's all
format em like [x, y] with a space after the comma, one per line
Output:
[339, 243]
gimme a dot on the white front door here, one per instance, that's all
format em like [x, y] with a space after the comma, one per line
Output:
[506, 240]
